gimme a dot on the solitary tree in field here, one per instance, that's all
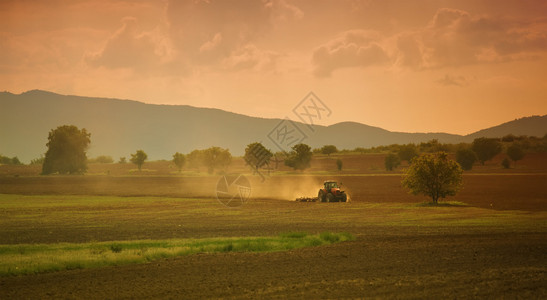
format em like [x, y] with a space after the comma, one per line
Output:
[407, 152]
[433, 175]
[300, 157]
[66, 152]
[466, 158]
[138, 158]
[329, 149]
[216, 158]
[515, 153]
[257, 156]
[486, 148]
[179, 159]
[391, 161]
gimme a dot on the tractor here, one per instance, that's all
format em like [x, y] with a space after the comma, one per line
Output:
[331, 192]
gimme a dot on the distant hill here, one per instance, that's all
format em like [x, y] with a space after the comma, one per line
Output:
[532, 126]
[120, 127]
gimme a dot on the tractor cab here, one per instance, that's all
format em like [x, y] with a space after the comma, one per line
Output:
[331, 192]
[331, 186]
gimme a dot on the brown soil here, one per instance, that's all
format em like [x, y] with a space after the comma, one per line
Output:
[497, 191]
[419, 266]
[415, 257]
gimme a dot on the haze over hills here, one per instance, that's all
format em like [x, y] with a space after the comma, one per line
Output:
[120, 127]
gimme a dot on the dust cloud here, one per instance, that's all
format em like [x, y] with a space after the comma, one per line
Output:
[285, 188]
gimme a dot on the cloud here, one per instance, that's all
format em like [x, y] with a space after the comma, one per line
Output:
[355, 48]
[130, 48]
[206, 32]
[226, 33]
[456, 38]
[212, 44]
[410, 51]
[283, 11]
[451, 80]
[451, 38]
[251, 57]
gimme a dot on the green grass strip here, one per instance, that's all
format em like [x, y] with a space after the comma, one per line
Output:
[40, 258]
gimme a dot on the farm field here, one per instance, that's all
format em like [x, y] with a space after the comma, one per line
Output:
[489, 241]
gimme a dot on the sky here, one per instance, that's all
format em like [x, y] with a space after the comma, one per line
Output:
[413, 66]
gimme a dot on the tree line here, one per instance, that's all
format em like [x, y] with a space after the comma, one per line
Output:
[433, 175]
[430, 172]
[480, 150]
[67, 145]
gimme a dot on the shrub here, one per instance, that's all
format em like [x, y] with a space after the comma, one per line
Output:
[466, 158]
[392, 161]
[116, 248]
[407, 152]
[486, 148]
[505, 163]
[515, 152]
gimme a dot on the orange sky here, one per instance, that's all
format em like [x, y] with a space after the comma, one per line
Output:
[429, 66]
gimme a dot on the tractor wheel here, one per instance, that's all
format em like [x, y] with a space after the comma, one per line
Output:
[330, 197]
[344, 198]
[321, 196]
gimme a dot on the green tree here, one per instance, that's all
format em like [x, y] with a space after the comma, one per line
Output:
[433, 175]
[329, 149]
[466, 158]
[486, 148]
[216, 158]
[37, 161]
[515, 153]
[122, 160]
[299, 158]
[407, 152]
[361, 150]
[508, 138]
[195, 159]
[339, 164]
[392, 161]
[138, 158]
[66, 152]
[179, 159]
[432, 146]
[257, 156]
[4, 160]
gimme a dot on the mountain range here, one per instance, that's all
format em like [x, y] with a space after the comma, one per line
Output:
[120, 127]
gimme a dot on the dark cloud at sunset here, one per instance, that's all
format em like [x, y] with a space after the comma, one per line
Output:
[383, 63]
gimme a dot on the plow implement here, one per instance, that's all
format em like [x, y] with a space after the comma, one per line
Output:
[330, 192]
[307, 199]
